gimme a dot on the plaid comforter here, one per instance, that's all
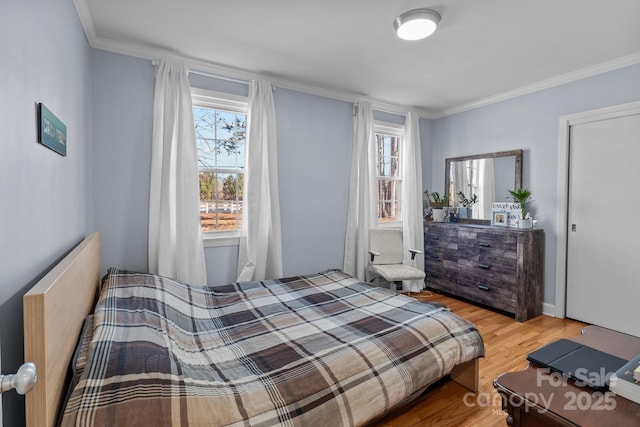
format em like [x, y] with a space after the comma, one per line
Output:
[318, 350]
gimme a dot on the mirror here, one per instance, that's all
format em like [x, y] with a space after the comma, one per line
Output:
[489, 176]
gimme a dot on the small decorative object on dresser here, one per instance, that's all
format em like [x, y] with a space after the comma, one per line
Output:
[467, 204]
[438, 203]
[499, 219]
[522, 196]
[510, 209]
[498, 267]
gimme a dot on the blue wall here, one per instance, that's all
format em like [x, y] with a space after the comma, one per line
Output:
[314, 162]
[46, 198]
[122, 132]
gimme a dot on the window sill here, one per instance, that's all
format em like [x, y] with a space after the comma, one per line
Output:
[214, 240]
[394, 224]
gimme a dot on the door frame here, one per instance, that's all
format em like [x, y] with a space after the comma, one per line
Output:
[564, 133]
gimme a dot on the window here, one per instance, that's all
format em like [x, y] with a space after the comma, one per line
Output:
[388, 142]
[220, 126]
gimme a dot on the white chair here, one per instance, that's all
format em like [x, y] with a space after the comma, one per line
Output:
[387, 260]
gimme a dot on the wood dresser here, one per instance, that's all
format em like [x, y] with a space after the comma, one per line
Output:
[495, 266]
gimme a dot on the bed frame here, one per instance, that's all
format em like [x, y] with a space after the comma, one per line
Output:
[54, 312]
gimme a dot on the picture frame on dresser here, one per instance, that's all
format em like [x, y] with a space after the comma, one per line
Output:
[499, 219]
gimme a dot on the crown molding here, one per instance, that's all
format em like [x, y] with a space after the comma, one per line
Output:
[86, 20]
[237, 74]
[225, 72]
[594, 70]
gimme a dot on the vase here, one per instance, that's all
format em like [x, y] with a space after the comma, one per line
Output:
[525, 224]
[438, 215]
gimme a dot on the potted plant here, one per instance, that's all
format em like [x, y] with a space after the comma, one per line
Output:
[522, 196]
[438, 204]
[439, 201]
[467, 204]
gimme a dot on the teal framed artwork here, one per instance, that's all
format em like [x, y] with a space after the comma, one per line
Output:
[52, 133]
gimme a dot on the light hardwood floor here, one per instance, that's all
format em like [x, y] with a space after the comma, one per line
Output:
[507, 344]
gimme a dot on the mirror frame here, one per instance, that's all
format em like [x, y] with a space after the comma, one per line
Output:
[518, 173]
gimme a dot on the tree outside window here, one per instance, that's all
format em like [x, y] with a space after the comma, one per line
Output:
[221, 142]
[388, 176]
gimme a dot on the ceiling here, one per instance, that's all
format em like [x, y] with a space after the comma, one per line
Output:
[482, 51]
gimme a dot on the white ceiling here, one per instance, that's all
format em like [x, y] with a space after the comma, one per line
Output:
[483, 50]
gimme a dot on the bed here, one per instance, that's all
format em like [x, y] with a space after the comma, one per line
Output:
[321, 349]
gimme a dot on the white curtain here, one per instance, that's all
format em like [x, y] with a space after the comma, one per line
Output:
[487, 188]
[461, 179]
[175, 237]
[260, 252]
[361, 214]
[412, 221]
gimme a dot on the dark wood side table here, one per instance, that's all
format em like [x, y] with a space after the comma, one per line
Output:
[536, 397]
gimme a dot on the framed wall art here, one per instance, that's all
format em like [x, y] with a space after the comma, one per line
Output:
[52, 133]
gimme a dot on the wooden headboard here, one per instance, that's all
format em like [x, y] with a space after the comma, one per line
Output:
[54, 311]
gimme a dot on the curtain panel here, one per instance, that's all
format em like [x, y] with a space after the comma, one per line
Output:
[487, 189]
[260, 251]
[361, 213]
[175, 237]
[412, 220]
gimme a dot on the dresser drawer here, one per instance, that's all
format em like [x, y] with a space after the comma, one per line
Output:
[487, 254]
[488, 291]
[441, 253]
[488, 242]
[442, 281]
[441, 268]
[441, 236]
[489, 268]
[501, 299]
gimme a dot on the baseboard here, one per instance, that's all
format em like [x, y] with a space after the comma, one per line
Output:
[549, 309]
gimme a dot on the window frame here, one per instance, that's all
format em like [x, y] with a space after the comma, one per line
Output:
[233, 104]
[397, 130]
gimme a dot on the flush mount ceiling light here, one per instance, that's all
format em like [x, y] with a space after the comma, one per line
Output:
[416, 24]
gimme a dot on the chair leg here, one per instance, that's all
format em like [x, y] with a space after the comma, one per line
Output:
[397, 287]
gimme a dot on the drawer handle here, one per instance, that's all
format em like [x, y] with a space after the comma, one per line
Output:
[434, 275]
[434, 257]
[483, 287]
[484, 244]
[484, 266]
[435, 237]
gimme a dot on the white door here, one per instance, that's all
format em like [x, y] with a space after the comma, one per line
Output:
[603, 242]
